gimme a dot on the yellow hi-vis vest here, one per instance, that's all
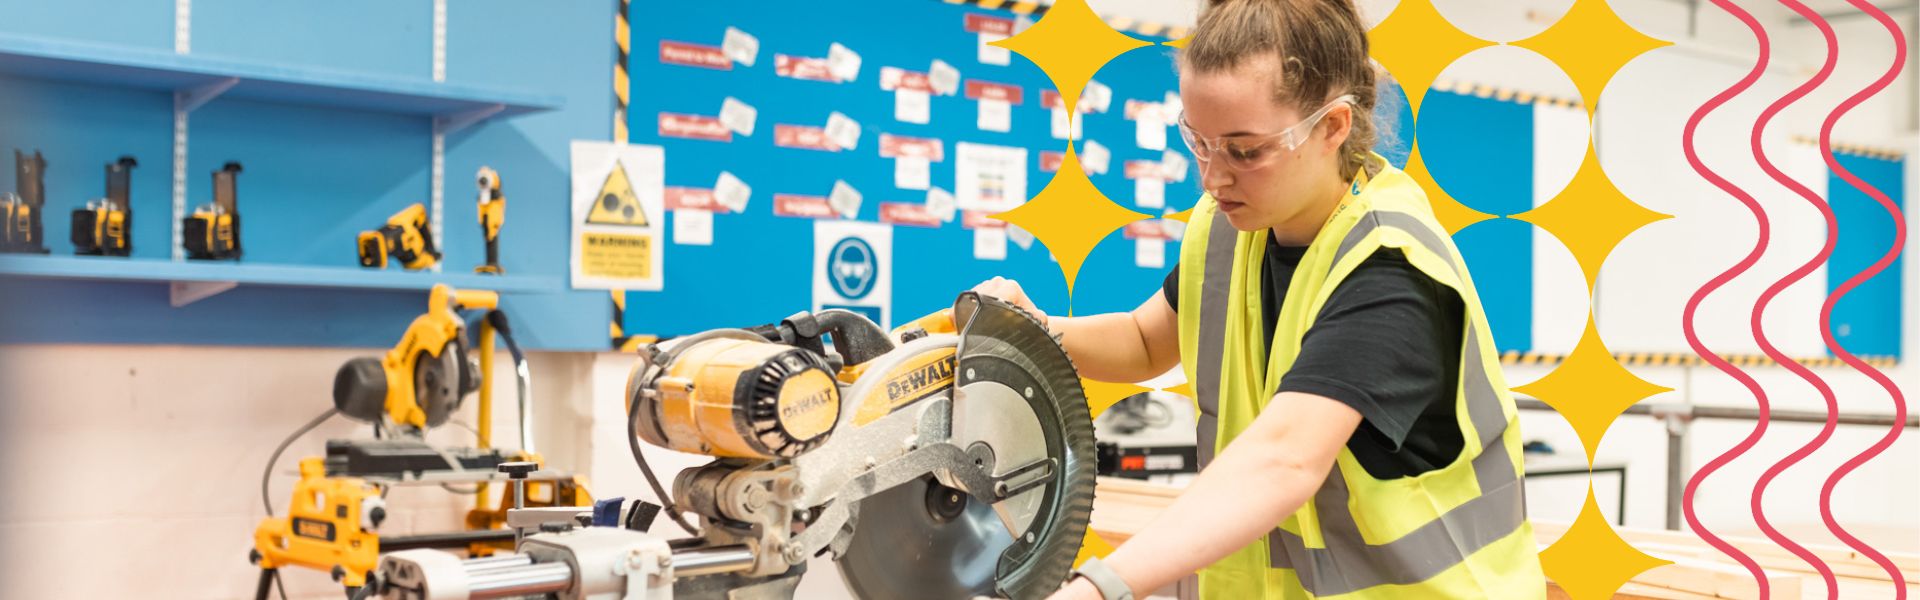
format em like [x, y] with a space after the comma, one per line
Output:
[1456, 532]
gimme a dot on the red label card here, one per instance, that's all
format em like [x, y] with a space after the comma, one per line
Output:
[1148, 229]
[696, 127]
[987, 90]
[907, 213]
[694, 55]
[895, 78]
[1050, 161]
[896, 146]
[802, 136]
[1050, 99]
[687, 198]
[802, 67]
[1145, 169]
[974, 219]
[792, 205]
[978, 23]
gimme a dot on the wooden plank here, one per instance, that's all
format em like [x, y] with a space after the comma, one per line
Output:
[1720, 580]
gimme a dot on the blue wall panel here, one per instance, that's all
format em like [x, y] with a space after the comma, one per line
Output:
[1481, 152]
[372, 37]
[1867, 322]
[139, 23]
[931, 265]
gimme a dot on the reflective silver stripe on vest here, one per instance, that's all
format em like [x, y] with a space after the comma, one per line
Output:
[1215, 283]
[1348, 563]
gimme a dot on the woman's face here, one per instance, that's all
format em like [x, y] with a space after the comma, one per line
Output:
[1240, 102]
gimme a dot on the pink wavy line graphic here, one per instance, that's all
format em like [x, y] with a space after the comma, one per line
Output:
[1826, 309]
[1693, 303]
[1773, 291]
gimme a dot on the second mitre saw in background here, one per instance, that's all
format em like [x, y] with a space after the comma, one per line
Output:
[928, 464]
[338, 503]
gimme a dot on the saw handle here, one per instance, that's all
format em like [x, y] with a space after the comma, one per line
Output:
[937, 322]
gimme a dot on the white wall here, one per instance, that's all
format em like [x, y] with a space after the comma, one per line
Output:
[134, 470]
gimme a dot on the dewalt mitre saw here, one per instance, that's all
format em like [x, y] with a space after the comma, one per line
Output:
[337, 507]
[928, 463]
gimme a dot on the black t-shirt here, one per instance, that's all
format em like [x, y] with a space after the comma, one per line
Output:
[1387, 343]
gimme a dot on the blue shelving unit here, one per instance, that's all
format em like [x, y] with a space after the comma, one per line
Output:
[201, 79]
[196, 80]
[194, 280]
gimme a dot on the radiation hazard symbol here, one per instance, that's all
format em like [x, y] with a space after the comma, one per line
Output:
[617, 204]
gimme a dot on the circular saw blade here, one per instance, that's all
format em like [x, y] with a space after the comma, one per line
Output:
[924, 540]
[907, 543]
[436, 384]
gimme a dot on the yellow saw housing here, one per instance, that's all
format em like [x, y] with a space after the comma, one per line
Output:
[737, 398]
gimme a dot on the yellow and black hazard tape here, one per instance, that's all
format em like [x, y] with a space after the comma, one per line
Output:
[1121, 24]
[622, 44]
[1677, 359]
[1504, 94]
[1856, 149]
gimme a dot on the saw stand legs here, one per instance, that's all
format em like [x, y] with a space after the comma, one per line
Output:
[269, 577]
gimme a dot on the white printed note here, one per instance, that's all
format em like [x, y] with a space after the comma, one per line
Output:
[1149, 192]
[990, 243]
[995, 115]
[940, 204]
[732, 193]
[912, 106]
[738, 116]
[843, 131]
[912, 173]
[740, 46]
[844, 200]
[843, 63]
[1150, 253]
[693, 227]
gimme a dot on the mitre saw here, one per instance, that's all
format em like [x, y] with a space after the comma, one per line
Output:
[928, 463]
[338, 504]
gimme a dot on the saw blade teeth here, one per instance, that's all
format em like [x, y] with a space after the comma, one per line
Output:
[1038, 351]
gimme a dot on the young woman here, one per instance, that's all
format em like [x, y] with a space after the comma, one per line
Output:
[1356, 435]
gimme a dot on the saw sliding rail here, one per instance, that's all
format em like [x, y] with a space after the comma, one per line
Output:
[517, 575]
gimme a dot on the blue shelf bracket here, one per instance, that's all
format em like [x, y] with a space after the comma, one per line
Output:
[182, 293]
[189, 99]
[447, 124]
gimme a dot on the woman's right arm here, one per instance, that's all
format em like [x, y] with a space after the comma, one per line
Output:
[1120, 347]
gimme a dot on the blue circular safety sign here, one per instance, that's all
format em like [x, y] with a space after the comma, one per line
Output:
[852, 267]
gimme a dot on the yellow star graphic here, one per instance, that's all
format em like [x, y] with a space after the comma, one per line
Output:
[1591, 561]
[1103, 395]
[1070, 216]
[1070, 44]
[1591, 217]
[1415, 43]
[1591, 43]
[1590, 389]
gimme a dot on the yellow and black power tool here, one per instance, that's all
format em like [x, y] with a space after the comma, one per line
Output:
[493, 212]
[407, 237]
[212, 232]
[332, 522]
[24, 227]
[105, 226]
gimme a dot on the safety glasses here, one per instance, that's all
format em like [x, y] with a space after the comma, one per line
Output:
[1249, 152]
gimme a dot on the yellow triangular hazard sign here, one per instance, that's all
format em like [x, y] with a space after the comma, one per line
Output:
[617, 204]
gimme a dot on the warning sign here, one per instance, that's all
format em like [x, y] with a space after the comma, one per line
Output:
[618, 198]
[617, 204]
